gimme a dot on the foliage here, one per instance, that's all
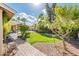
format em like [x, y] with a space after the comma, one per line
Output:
[42, 25]
[50, 11]
[20, 20]
[23, 29]
[66, 19]
[6, 25]
[5, 18]
[6, 28]
[45, 20]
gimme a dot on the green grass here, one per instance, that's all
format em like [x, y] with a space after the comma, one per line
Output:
[36, 37]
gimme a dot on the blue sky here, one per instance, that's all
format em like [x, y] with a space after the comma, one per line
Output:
[29, 8]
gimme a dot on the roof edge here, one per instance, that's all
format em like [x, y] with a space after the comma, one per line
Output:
[7, 7]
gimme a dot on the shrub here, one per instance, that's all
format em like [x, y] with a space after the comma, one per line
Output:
[23, 29]
[6, 25]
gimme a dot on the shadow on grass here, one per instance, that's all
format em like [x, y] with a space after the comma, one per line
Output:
[45, 34]
[49, 35]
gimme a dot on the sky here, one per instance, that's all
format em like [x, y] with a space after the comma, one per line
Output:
[28, 8]
[31, 10]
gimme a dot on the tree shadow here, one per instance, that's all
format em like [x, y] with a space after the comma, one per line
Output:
[46, 34]
[74, 43]
[20, 41]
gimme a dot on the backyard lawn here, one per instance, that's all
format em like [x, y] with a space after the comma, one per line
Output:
[37, 37]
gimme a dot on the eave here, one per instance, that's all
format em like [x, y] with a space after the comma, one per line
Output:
[9, 11]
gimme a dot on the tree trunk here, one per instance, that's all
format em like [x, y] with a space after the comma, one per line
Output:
[61, 37]
[48, 11]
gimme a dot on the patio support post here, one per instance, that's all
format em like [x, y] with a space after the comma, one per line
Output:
[1, 33]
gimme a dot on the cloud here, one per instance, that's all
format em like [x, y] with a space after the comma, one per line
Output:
[44, 11]
[21, 15]
[30, 19]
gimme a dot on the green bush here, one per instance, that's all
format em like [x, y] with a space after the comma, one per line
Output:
[6, 25]
[23, 29]
[6, 29]
[42, 25]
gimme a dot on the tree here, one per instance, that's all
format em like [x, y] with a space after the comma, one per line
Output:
[22, 27]
[42, 25]
[50, 11]
[65, 22]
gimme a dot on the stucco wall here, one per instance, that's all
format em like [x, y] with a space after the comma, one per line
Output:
[1, 33]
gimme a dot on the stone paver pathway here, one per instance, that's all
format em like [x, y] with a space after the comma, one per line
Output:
[26, 49]
[43, 49]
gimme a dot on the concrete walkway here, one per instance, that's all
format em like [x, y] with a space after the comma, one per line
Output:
[26, 49]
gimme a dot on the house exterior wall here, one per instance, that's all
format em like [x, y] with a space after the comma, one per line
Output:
[1, 33]
[10, 12]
